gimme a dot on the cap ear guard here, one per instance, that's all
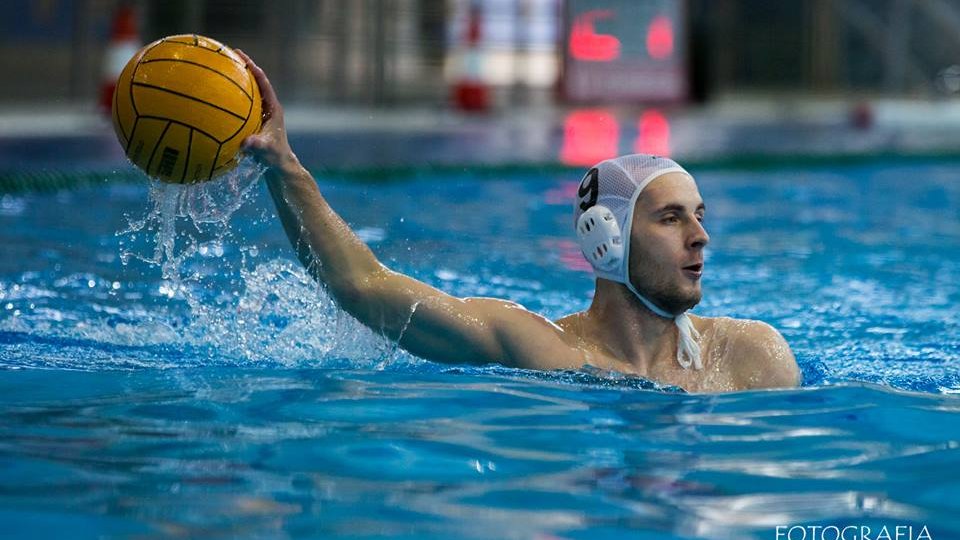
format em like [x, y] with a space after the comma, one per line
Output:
[600, 240]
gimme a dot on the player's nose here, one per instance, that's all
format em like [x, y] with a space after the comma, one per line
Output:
[699, 237]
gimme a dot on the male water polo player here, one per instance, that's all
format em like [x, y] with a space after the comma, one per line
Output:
[639, 222]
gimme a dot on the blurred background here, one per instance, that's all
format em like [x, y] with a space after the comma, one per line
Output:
[568, 81]
[394, 52]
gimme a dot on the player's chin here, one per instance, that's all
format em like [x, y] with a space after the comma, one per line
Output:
[680, 300]
[691, 296]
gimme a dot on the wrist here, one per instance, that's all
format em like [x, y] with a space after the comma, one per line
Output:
[288, 164]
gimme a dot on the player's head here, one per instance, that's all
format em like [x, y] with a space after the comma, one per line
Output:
[638, 223]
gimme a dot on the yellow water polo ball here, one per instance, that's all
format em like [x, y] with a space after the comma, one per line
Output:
[182, 106]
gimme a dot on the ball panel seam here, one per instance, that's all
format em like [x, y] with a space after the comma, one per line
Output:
[202, 66]
[156, 145]
[191, 98]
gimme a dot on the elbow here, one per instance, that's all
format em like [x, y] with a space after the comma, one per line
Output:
[359, 294]
[351, 294]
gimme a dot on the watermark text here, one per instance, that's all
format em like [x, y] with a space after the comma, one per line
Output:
[853, 532]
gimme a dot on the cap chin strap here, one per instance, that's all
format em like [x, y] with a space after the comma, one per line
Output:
[688, 339]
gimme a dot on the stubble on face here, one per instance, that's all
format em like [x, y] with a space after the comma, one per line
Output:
[668, 294]
[655, 254]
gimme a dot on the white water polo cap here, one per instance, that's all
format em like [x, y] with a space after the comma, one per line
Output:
[603, 215]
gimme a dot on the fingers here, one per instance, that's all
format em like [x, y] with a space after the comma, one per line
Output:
[271, 103]
[270, 145]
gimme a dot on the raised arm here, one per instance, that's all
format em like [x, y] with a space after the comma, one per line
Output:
[425, 320]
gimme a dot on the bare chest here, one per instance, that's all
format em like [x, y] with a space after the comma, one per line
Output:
[716, 375]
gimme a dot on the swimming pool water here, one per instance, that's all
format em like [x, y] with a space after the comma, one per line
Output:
[225, 395]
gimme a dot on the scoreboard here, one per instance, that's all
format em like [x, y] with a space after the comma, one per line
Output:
[624, 51]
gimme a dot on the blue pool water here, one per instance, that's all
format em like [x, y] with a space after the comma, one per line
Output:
[212, 390]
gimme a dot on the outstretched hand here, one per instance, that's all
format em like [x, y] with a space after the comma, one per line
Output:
[269, 145]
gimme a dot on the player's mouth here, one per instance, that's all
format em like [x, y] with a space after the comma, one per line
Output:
[693, 271]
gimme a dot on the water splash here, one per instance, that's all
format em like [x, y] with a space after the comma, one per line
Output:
[279, 314]
[207, 206]
[264, 311]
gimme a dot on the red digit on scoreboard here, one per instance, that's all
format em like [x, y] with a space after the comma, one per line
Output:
[660, 38]
[589, 46]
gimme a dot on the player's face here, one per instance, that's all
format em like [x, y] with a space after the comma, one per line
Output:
[667, 240]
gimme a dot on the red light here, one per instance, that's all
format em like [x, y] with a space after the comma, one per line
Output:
[589, 136]
[653, 134]
[589, 46]
[660, 38]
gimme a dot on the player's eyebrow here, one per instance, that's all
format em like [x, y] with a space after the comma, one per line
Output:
[675, 207]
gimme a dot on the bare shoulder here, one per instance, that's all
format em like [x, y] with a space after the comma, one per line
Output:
[571, 322]
[758, 355]
[528, 339]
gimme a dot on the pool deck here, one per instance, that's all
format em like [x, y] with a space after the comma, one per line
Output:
[63, 139]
